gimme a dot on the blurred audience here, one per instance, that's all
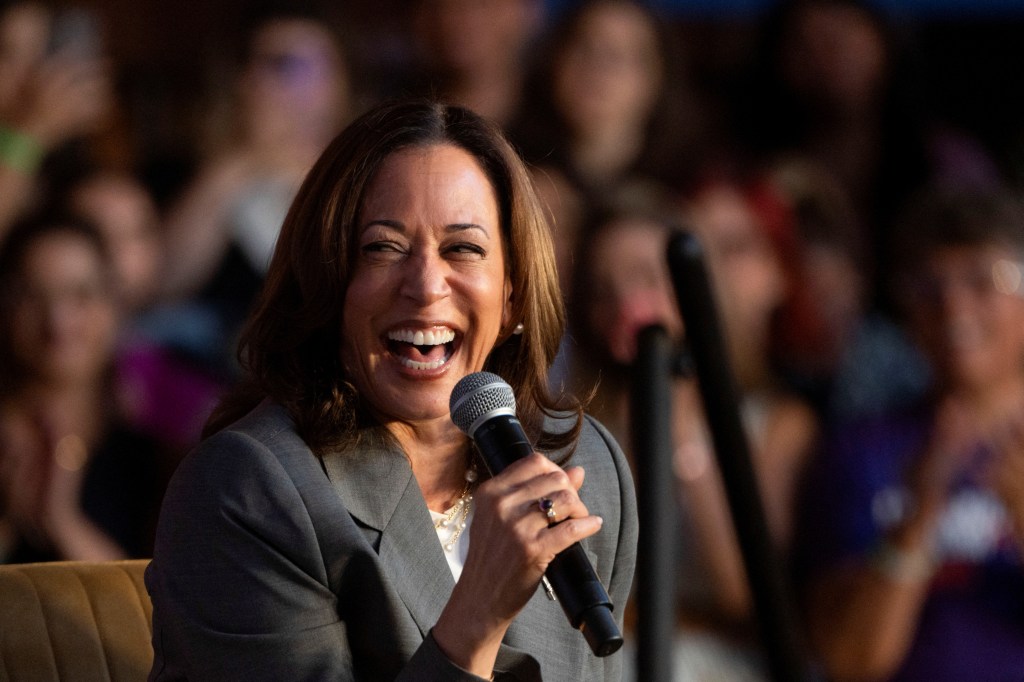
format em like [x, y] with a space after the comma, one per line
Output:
[472, 52]
[55, 91]
[292, 97]
[608, 105]
[913, 520]
[848, 359]
[75, 482]
[622, 287]
[833, 84]
[161, 390]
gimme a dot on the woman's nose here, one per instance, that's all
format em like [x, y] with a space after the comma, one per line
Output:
[426, 279]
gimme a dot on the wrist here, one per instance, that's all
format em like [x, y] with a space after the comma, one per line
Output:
[20, 151]
[904, 565]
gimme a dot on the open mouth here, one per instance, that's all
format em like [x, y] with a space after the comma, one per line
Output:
[422, 349]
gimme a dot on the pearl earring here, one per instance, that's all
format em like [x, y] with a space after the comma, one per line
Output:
[518, 328]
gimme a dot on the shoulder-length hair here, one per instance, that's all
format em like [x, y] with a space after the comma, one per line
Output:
[291, 345]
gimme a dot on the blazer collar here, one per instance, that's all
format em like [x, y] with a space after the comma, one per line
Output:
[377, 487]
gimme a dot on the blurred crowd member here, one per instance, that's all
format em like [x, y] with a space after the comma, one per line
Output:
[832, 84]
[847, 359]
[160, 391]
[914, 520]
[127, 217]
[473, 52]
[74, 482]
[623, 286]
[607, 108]
[292, 97]
[54, 89]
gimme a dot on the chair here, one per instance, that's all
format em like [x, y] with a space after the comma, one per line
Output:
[75, 620]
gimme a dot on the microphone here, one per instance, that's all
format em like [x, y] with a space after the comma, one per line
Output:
[483, 406]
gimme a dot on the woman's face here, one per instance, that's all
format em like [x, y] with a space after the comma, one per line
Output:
[967, 307]
[630, 286]
[610, 73]
[429, 293]
[746, 272]
[296, 83]
[835, 55]
[64, 320]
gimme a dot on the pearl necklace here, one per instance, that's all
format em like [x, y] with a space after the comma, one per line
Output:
[455, 518]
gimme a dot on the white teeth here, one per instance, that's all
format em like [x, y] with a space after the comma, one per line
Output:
[413, 364]
[432, 337]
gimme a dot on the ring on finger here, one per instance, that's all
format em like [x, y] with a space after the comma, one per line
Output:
[547, 506]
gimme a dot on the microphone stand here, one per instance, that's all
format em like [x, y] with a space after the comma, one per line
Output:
[651, 435]
[772, 604]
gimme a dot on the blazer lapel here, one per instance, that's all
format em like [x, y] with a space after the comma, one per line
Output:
[378, 489]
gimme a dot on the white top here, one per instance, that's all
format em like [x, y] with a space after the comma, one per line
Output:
[457, 556]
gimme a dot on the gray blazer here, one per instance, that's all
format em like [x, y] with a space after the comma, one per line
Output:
[272, 564]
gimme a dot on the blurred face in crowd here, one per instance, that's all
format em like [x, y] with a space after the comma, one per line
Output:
[629, 285]
[610, 73]
[64, 320]
[429, 293]
[967, 307]
[295, 83]
[745, 269]
[835, 54]
[463, 37]
[126, 216]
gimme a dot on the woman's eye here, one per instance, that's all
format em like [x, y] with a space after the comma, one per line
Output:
[467, 248]
[382, 248]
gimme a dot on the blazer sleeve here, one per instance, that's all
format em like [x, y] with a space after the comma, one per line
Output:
[239, 583]
[629, 528]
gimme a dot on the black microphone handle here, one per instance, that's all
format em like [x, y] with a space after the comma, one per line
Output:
[501, 441]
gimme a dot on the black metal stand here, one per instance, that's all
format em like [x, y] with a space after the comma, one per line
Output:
[772, 604]
[651, 434]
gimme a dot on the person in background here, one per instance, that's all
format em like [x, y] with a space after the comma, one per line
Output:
[833, 83]
[292, 97]
[607, 101]
[75, 482]
[160, 390]
[847, 359]
[911, 521]
[623, 287]
[55, 89]
[473, 52]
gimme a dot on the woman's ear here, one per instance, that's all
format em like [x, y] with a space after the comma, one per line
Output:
[506, 312]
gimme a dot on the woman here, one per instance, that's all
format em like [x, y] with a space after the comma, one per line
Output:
[298, 543]
[291, 98]
[913, 520]
[623, 286]
[607, 109]
[75, 481]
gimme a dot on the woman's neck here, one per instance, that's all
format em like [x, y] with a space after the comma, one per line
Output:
[78, 409]
[440, 455]
[601, 154]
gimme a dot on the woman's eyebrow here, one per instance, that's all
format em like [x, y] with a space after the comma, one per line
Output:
[385, 222]
[459, 227]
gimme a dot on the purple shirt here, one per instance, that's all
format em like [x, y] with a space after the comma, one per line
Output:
[972, 623]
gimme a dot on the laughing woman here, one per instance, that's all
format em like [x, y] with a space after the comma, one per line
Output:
[336, 524]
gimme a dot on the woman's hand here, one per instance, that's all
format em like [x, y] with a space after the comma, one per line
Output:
[65, 97]
[512, 542]
[1005, 476]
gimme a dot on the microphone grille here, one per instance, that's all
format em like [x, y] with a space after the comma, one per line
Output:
[478, 394]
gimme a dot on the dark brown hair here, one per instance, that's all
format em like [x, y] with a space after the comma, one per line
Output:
[291, 344]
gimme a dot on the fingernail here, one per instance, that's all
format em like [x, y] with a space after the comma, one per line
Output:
[600, 521]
